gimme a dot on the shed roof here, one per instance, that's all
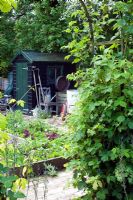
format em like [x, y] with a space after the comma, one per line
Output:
[35, 56]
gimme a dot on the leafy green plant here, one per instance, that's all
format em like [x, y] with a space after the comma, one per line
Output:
[15, 121]
[9, 185]
[50, 170]
[100, 139]
[35, 140]
[101, 130]
[42, 114]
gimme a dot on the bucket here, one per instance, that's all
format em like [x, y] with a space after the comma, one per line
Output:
[72, 98]
[47, 98]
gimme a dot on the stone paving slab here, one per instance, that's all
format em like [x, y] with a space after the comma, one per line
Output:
[58, 188]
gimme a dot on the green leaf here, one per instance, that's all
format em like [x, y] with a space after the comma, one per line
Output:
[19, 195]
[121, 22]
[68, 30]
[72, 23]
[76, 30]
[79, 135]
[101, 195]
[111, 20]
[95, 185]
[12, 101]
[3, 169]
[110, 179]
[8, 180]
[120, 102]
[120, 118]
[130, 124]
[76, 60]
[67, 57]
[7, 5]
[20, 103]
[81, 185]
[91, 107]
[105, 157]
[11, 195]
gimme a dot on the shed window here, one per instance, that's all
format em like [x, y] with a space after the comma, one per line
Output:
[53, 72]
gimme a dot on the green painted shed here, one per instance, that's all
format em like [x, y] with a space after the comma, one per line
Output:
[50, 66]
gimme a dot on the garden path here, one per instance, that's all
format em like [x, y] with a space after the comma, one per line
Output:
[58, 188]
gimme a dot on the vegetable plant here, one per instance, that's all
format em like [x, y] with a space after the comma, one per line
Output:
[38, 140]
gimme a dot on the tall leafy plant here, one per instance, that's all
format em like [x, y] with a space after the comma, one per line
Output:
[101, 141]
[101, 128]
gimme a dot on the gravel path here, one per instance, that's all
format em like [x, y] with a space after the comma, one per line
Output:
[58, 188]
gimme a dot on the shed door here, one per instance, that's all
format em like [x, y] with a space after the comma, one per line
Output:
[22, 82]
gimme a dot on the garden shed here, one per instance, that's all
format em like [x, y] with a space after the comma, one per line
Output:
[26, 66]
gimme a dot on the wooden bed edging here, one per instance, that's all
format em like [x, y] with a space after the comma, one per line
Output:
[39, 167]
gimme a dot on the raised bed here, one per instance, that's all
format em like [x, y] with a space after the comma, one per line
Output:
[39, 167]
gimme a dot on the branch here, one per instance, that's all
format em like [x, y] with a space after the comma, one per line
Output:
[118, 41]
[90, 21]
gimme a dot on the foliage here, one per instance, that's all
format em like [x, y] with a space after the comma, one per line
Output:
[7, 44]
[6, 35]
[100, 139]
[95, 26]
[41, 113]
[103, 135]
[47, 31]
[7, 5]
[34, 25]
[35, 140]
[10, 185]
[15, 121]
[51, 170]
[42, 33]
[3, 122]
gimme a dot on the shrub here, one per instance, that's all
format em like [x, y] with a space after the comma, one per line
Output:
[101, 139]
